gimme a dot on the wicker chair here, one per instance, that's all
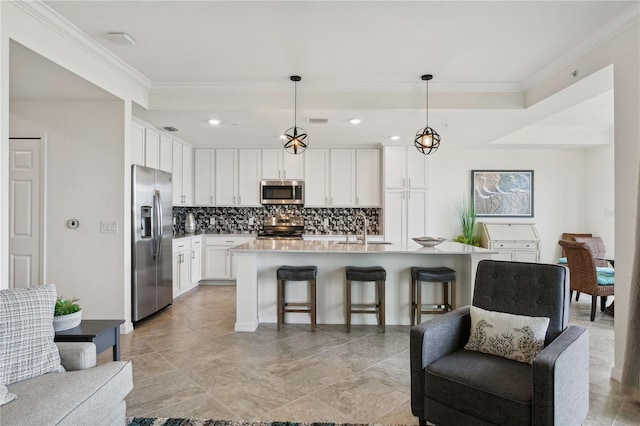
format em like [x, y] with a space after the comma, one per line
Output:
[584, 278]
[595, 243]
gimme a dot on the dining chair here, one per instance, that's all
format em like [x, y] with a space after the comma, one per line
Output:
[584, 274]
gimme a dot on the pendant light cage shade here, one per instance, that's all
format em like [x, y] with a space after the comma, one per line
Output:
[295, 139]
[427, 140]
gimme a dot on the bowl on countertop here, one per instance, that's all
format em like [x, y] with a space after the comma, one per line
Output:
[428, 241]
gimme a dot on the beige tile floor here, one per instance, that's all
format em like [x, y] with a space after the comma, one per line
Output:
[188, 362]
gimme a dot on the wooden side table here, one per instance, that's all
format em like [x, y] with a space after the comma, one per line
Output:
[103, 333]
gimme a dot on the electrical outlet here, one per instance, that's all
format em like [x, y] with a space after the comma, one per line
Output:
[252, 221]
[108, 227]
[326, 221]
[212, 221]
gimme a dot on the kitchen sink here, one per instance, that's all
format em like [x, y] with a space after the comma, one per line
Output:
[368, 242]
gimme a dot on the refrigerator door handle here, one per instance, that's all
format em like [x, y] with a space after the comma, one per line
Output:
[158, 225]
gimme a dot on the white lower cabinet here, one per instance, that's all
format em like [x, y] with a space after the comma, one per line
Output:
[187, 263]
[219, 258]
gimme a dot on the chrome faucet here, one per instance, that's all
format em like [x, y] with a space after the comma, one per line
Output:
[365, 225]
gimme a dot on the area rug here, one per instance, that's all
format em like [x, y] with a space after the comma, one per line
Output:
[156, 421]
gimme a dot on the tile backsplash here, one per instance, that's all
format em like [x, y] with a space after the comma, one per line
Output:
[320, 221]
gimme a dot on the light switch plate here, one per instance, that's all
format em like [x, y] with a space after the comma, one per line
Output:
[108, 227]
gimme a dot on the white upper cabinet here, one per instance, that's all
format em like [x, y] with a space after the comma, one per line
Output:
[181, 175]
[204, 183]
[152, 148]
[343, 177]
[237, 178]
[278, 164]
[137, 144]
[166, 153]
[368, 178]
[249, 173]
[226, 177]
[404, 167]
[316, 181]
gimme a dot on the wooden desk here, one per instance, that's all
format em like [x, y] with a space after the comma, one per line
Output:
[103, 333]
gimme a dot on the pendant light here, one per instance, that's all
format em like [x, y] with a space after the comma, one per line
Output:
[427, 140]
[294, 139]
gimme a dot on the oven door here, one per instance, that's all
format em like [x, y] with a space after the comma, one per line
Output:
[281, 192]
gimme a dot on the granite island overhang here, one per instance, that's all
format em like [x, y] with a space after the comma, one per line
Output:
[257, 261]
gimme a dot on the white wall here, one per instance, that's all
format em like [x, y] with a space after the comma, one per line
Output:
[84, 181]
[599, 195]
[559, 189]
[623, 52]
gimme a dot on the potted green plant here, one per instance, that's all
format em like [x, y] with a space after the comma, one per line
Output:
[67, 314]
[468, 223]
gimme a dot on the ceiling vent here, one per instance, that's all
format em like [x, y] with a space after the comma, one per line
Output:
[170, 129]
[318, 120]
[122, 39]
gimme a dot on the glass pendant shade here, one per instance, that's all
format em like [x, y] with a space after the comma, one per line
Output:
[427, 140]
[295, 139]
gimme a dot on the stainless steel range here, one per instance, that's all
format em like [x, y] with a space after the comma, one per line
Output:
[282, 228]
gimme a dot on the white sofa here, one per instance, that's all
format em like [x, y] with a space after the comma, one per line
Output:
[83, 395]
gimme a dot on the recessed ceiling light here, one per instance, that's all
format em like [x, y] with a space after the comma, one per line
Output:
[123, 39]
[355, 120]
[214, 121]
[395, 138]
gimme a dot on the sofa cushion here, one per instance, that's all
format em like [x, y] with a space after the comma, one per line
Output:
[516, 337]
[26, 333]
[494, 389]
[73, 398]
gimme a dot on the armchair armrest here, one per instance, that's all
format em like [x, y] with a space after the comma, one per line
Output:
[561, 379]
[77, 355]
[429, 342]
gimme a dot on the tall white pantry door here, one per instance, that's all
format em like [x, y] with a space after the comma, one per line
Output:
[25, 212]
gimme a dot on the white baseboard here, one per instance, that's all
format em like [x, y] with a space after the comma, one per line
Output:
[126, 328]
[616, 374]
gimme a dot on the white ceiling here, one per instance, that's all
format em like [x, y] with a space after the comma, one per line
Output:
[232, 60]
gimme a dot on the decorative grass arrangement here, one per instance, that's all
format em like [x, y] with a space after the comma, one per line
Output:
[468, 223]
[66, 306]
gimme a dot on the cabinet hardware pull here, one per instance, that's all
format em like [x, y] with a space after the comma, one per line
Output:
[193, 254]
[239, 199]
[409, 182]
[357, 201]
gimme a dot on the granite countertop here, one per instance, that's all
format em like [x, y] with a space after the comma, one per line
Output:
[217, 234]
[298, 246]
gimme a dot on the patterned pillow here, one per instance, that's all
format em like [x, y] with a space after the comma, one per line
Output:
[516, 337]
[5, 395]
[26, 333]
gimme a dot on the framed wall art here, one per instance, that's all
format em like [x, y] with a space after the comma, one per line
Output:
[502, 193]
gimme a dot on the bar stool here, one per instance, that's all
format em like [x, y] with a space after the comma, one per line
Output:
[444, 275]
[372, 273]
[297, 273]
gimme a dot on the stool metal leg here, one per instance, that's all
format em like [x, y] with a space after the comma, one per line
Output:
[380, 285]
[445, 295]
[419, 302]
[412, 301]
[312, 297]
[453, 295]
[348, 306]
[280, 303]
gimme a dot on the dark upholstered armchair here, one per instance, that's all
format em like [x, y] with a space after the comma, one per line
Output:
[454, 386]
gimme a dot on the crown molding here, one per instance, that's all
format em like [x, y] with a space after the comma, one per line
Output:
[336, 87]
[75, 35]
[614, 27]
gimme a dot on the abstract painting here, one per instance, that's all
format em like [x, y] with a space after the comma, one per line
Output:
[502, 193]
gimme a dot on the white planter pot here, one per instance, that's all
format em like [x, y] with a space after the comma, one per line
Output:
[65, 322]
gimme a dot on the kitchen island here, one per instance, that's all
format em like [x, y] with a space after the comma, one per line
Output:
[257, 261]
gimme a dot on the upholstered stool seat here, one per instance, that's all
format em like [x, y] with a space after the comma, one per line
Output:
[297, 273]
[440, 274]
[378, 275]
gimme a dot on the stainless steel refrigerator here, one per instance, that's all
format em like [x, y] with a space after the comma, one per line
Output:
[152, 223]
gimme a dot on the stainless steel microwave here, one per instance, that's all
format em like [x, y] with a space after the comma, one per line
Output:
[282, 192]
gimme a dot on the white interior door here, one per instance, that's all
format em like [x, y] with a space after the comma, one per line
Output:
[25, 212]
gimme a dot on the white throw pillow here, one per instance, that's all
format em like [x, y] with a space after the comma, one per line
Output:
[5, 395]
[26, 333]
[517, 337]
